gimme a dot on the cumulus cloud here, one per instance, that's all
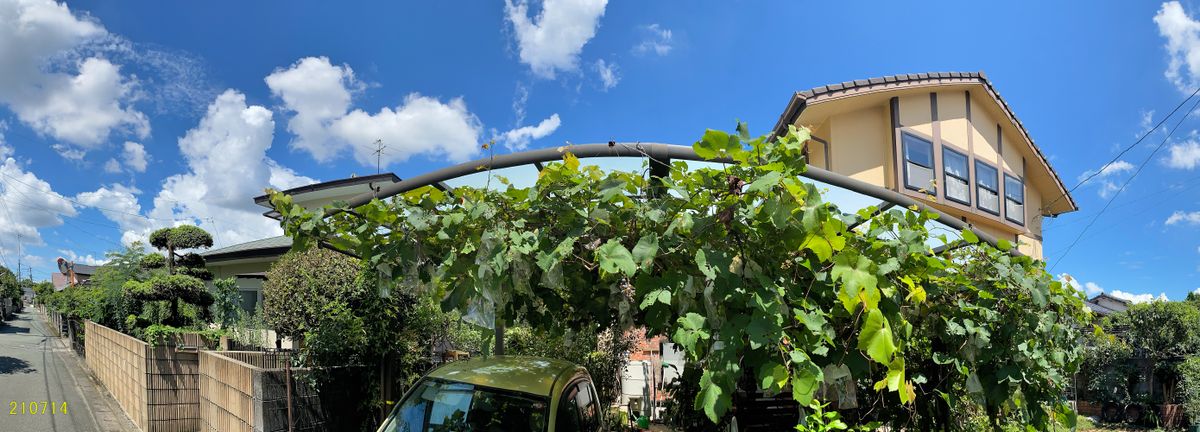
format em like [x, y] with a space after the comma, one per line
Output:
[134, 155]
[519, 138]
[112, 166]
[319, 95]
[1182, 217]
[551, 41]
[607, 72]
[81, 102]
[1138, 298]
[655, 40]
[1182, 33]
[226, 166]
[1185, 155]
[29, 204]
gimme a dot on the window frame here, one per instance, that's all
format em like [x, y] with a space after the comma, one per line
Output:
[946, 174]
[1006, 199]
[978, 198]
[904, 161]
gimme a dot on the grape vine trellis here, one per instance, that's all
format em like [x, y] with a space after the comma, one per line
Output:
[748, 271]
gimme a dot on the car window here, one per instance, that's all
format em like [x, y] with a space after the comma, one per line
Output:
[589, 409]
[437, 405]
[568, 413]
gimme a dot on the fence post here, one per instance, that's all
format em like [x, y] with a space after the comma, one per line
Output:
[287, 370]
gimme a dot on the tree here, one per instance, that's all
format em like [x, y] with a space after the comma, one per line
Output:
[1160, 333]
[302, 283]
[185, 276]
[748, 271]
[9, 288]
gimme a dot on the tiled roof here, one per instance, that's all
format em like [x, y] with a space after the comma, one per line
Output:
[262, 245]
[803, 98]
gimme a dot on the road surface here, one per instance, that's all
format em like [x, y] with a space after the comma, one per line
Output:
[37, 367]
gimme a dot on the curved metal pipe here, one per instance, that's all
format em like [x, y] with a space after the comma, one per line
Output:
[653, 151]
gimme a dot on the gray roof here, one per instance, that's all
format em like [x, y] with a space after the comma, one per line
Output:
[83, 269]
[261, 247]
[803, 98]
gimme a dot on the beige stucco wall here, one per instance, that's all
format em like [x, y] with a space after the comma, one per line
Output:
[859, 136]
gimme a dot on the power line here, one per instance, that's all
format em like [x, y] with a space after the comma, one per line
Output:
[1123, 151]
[1129, 179]
[56, 195]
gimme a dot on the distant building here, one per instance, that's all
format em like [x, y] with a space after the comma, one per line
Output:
[1105, 305]
[83, 273]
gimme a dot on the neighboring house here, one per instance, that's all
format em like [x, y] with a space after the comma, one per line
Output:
[248, 262]
[947, 138]
[1105, 305]
[83, 273]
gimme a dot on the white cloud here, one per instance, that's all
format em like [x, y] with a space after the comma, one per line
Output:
[1089, 288]
[607, 73]
[5, 149]
[82, 102]
[1138, 298]
[29, 204]
[134, 155]
[1185, 155]
[69, 153]
[319, 94]
[1197, 291]
[1183, 44]
[519, 138]
[551, 41]
[657, 40]
[1104, 177]
[1190, 218]
[421, 125]
[227, 165]
[112, 166]
[82, 259]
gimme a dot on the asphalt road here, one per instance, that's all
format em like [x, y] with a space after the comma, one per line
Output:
[38, 367]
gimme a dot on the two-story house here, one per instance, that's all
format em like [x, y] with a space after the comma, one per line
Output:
[947, 138]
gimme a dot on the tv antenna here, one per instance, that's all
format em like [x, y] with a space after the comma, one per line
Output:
[378, 154]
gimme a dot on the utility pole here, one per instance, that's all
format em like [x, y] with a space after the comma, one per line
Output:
[378, 154]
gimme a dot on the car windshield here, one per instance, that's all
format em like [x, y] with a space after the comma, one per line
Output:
[437, 406]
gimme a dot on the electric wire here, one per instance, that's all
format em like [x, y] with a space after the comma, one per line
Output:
[1128, 180]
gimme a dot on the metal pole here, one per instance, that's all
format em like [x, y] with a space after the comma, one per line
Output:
[287, 370]
[653, 151]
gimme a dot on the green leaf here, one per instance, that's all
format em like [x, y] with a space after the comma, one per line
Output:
[765, 182]
[615, 259]
[859, 284]
[876, 337]
[1004, 245]
[713, 399]
[969, 236]
[806, 380]
[645, 250]
[772, 376]
[691, 331]
[657, 296]
[709, 271]
[715, 144]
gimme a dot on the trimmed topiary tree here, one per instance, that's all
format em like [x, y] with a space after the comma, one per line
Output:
[302, 283]
[185, 276]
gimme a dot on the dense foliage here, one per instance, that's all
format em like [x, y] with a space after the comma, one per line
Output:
[301, 284]
[1143, 354]
[9, 288]
[604, 353]
[747, 270]
[185, 276]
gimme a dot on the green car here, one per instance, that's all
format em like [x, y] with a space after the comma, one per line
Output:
[501, 393]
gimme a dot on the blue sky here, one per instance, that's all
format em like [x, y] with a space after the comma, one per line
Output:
[120, 117]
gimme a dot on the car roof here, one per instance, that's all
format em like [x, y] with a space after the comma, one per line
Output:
[533, 375]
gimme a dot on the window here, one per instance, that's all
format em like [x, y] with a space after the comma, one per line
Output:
[442, 405]
[987, 182]
[957, 179]
[918, 163]
[1014, 199]
[568, 413]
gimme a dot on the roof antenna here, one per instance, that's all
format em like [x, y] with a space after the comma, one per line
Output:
[378, 154]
